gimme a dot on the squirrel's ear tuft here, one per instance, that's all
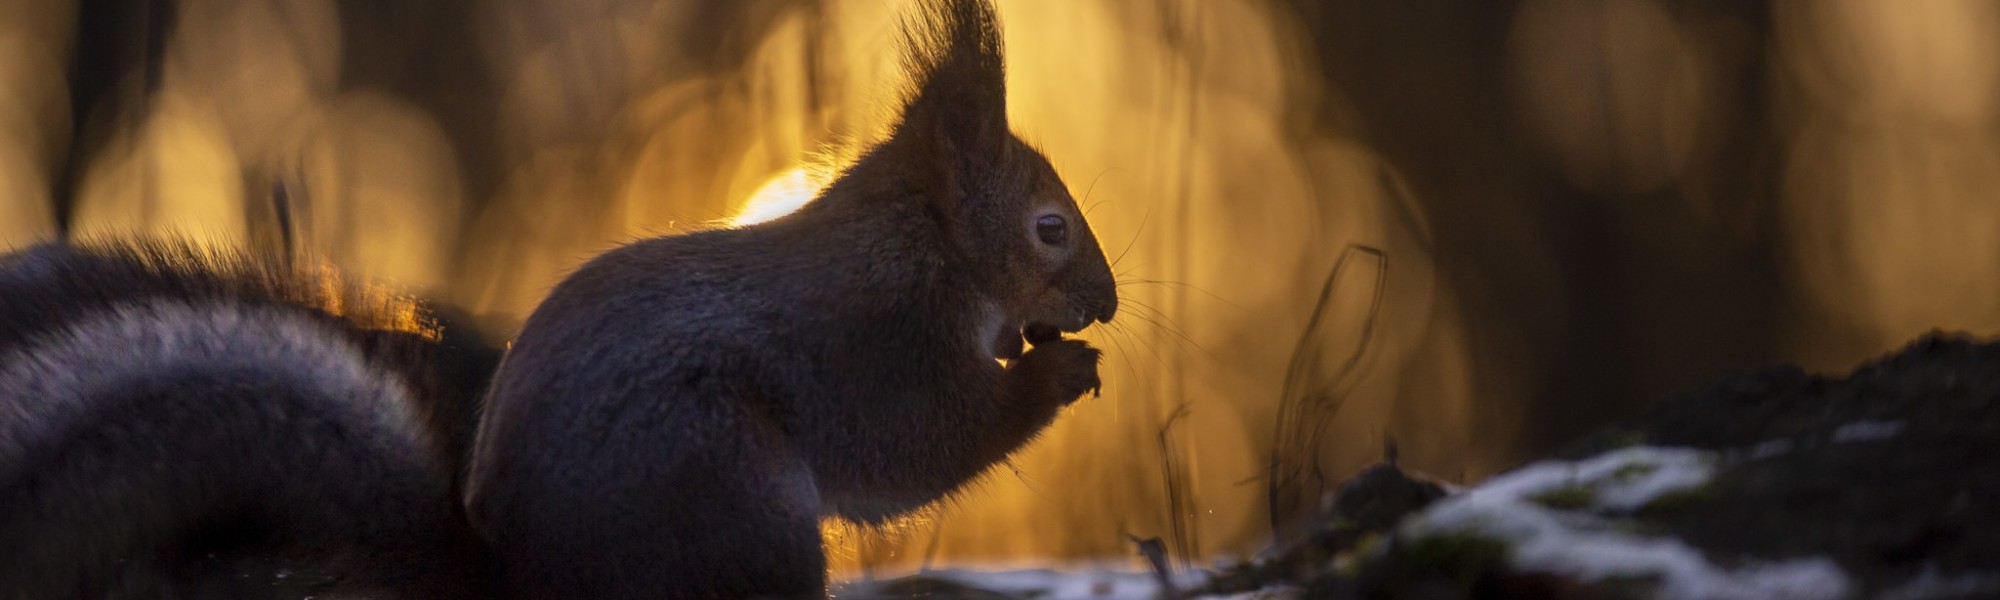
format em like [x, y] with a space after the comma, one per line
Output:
[959, 83]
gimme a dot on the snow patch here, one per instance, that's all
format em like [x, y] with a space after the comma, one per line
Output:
[1083, 583]
[1621, 480]
[1586, 545]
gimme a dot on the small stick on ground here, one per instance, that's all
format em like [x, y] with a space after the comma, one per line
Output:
[1155, 552]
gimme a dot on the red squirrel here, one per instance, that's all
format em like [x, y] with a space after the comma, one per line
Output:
[677, 416]
[672, 422]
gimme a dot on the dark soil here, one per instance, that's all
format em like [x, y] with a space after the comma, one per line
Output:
[1890, 471]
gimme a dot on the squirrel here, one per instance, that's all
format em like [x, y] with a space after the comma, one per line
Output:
[675, 418]
[181, 423]
[672, 421]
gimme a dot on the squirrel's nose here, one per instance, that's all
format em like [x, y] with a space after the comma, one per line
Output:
[1101, 308]
[1105, 302]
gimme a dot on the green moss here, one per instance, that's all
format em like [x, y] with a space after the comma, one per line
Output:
[1363, 548]
[1680, 501]
[1634, 470]
[1568, 497]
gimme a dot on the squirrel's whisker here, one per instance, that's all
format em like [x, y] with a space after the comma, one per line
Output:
[1092, 188]
[1135, 237]
[1185, 285]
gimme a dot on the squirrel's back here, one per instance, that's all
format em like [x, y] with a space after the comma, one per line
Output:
[181, 423]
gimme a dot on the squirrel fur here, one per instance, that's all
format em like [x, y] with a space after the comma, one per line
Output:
[679, 413]
[177, 423]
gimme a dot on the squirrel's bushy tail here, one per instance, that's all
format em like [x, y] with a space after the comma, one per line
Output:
[180, 440]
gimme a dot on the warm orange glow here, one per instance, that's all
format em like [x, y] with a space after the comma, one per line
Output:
[34, 113]
[778, 197]
[1216, 164]
[1891, 174]
[1163, 118]
[368, 304]
[177, 175]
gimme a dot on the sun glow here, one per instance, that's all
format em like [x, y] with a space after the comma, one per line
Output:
[778, 197]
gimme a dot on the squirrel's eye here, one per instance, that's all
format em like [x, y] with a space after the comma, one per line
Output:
[1052, 229]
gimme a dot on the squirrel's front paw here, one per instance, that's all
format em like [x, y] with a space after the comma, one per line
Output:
[1062, 369]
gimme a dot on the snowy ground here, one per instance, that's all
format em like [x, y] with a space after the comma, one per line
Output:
[1105, 585]
[1564, 518]
[1080, 583]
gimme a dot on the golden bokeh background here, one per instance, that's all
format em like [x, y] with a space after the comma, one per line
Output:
[1579, 205]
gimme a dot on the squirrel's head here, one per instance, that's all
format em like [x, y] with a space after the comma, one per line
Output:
[1008, 214]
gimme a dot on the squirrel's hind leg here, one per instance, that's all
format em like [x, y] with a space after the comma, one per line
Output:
[658, 510]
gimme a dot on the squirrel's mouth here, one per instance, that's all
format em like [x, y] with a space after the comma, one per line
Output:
[1012, 342]
[1041, 333]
